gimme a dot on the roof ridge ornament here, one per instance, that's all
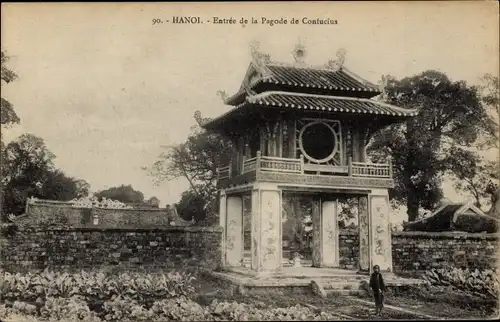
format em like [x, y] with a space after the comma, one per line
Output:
[199, 119]
[384, 80]
[260, 59]
[223, 95]
[299, 53]
[337, 64]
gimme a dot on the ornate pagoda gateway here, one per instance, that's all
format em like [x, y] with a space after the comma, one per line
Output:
[304, 130]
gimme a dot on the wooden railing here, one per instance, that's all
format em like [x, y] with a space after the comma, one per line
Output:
[275, 164]
[224, 172]
[249, 165]
[288, 165]
[367, 169]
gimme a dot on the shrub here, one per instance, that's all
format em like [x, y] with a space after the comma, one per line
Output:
[95, 296]
[94, 285]
[479, 282]
[8, 230]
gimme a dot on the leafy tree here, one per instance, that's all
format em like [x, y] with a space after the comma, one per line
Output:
[8, 115]
[82, 188]
[191, 205]
[491, 97]
[123, 193]
[58, 186]
[196, 160]
[24, 170]
[451, 114]
[473, 174]
[28, 171]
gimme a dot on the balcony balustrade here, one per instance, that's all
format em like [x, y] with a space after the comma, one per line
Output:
[266, 164]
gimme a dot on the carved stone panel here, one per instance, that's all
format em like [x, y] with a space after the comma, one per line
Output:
[222, 223]
[234, 231]
[316, 236]
[364, 234]
[380, 246]
[255, 230]
[329, 235]
[270, 230]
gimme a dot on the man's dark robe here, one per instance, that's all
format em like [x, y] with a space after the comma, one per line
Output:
[378, 287]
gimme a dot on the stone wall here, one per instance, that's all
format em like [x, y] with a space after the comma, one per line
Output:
[349, 249]
[417, 251]
[131, 217]
[107, 218]
[200, 246]
[97, 247]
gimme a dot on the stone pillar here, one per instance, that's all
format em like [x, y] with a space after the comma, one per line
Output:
[222, 223]
[355, 145]
[329, 235]
[380, 230]
[316, 235]
[266, 228]
[234, 231]
[364, 235]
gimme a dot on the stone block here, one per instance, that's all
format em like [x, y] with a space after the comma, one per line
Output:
[318, 289]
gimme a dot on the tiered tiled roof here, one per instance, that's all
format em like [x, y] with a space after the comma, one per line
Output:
[312, 102]
[310, 78]
[331, 89]
[335, 104]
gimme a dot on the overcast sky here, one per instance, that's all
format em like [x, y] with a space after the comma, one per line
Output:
[105, 89]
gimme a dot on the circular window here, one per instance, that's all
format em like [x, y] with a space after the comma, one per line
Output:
[318, 142]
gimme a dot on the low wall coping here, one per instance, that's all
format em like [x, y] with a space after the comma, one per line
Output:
[426, 234]
[136, 229]
[446, 235]
[69, 206]
[159, 210]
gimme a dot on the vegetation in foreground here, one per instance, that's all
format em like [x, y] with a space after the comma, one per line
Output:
[452, 293]
[100, 296]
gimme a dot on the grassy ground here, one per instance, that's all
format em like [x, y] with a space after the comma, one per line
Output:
[442, 303]
[209, 290]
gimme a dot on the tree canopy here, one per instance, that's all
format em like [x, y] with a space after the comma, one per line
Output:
[28, 171]
[452, 118]
[8, 115]
[123, 193]
[195, 160]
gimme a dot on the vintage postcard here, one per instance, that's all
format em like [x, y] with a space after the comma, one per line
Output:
[215, 161]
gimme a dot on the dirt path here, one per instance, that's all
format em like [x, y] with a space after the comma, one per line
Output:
[416, 314]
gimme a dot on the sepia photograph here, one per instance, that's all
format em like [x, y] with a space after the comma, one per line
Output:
[250, 161]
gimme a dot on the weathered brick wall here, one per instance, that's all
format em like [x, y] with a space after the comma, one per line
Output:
[97, 247]
[74, 216]
[108, 218]
[349, 249]
[200, 246]
[131, 217]
[416, 251]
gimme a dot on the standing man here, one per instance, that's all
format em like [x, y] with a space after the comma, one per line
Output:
[378, 287]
